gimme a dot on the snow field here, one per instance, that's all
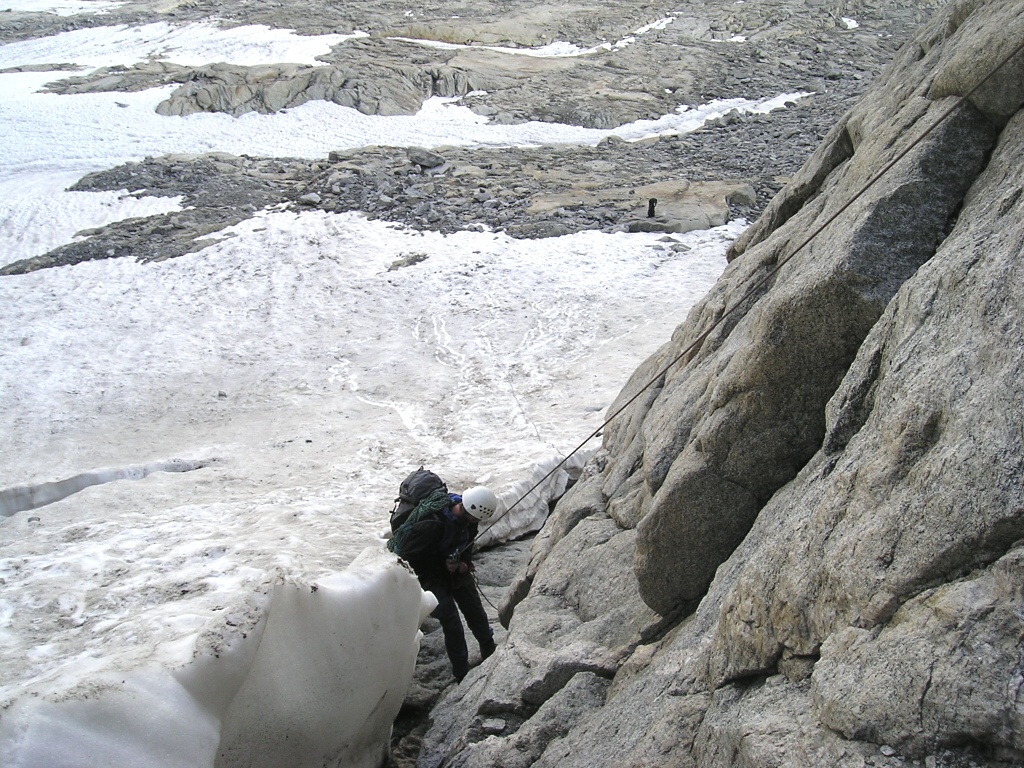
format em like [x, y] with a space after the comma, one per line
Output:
[159, 620]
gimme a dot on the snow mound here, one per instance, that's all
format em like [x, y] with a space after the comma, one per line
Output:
[304, 674]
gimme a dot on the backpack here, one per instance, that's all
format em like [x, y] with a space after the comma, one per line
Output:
[417, 486]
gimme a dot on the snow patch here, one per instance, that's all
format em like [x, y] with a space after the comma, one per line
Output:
[62, 7]
[279, 686]
[524, 506]
[189, 45]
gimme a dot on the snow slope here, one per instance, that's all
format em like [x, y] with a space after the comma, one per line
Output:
[220, 436]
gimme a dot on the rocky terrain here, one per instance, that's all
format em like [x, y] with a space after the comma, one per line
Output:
[728, 169]
[800, 546]
[801, 543]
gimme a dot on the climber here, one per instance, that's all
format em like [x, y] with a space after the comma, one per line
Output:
[436, 540]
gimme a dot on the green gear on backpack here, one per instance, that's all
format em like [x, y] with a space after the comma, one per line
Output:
[402, 541]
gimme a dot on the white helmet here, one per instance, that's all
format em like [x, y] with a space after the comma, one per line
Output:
[480, 502]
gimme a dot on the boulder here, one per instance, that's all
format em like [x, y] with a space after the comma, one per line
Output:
[236, 89]
[424, 157]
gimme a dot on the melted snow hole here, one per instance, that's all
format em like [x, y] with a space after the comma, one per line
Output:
[19, 498]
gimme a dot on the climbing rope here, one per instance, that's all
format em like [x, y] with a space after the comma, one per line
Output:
[960, 101]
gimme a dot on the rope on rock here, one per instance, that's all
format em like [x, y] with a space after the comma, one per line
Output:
[960, 101]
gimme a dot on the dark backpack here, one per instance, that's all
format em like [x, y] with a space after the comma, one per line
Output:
[416, 487]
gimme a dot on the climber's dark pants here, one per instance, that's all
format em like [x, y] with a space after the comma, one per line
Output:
[452, 597]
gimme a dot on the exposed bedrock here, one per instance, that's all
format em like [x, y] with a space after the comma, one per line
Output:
[803, 544]
[637, 62]
[643, 60]
[747, 411]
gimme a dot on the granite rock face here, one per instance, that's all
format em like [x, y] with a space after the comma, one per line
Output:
[748, 410]
[803, 544]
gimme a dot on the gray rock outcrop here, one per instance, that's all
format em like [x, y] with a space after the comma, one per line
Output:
[631, 72]
[749, 410]
[803, 545]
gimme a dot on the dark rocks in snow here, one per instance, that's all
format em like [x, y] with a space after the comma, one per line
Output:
[527, 192]
[218, 191]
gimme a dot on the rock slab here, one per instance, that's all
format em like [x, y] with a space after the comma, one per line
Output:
[809, 530]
